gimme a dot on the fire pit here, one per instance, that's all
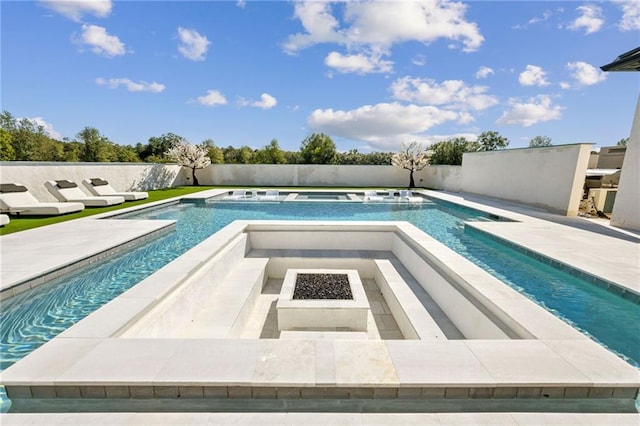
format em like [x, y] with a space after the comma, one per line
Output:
[313, 299]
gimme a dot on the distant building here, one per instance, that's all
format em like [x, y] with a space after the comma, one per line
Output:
[611, 157]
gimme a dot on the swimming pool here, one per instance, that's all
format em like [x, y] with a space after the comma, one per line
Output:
[29, 320]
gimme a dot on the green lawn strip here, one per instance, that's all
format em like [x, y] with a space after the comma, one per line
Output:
[29, 222]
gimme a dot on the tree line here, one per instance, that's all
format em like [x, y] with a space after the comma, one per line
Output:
[26, 140]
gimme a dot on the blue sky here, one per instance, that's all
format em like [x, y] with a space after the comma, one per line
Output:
[370, 74]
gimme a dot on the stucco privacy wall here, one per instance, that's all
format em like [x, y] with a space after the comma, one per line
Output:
[122, 176]
[626, 210]
[551, 177]
[303, 175]
[445, 178]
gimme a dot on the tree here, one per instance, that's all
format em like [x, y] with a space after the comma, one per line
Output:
[245, 155]
[623, 142]
[270, 154]
[214, 153]
[97, 148]
[450, 152]
[491, 141]
[411, 157]
[188, 155]
[26, 137]
[318, 149]
[158, 146]
[378, 158]
[6, 149]
[539, 141]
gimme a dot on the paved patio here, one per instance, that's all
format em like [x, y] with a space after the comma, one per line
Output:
[609, 254]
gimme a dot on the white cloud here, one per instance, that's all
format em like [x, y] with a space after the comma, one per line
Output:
[533, 75]
[193, 45]
[536, 19]
[452, 93]
[545, 15]
[101, 42]
[585, 74]
[266, 102]
[317, 20]
[484, 72]
[132, 86]
[75, 9]
[359, 63]
[383, 125]
[48, 127]
[564, 85]
[212, 98]
[590, 19]
[535, 110]
[630, 15]
[241, 4]
[375, 26]
[419, 60]
[386, 23]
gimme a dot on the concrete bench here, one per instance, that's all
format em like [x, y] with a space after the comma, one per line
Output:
[225, 312]
[412, 317]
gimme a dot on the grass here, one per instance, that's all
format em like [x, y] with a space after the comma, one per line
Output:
[23, 223]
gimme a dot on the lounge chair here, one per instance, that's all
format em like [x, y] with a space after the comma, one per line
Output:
[67, 191]
[4, 219]
[270, 195]
[101, 188]
[17, 200]
[372, 196]
[238, 194]
[406, 195]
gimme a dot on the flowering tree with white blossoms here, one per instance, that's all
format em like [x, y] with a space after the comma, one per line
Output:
[411, 157]
[192, 156]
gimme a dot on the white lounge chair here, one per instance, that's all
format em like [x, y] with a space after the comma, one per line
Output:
[67, 191]
[406, 195]
[17, 200]
[101, 188]
[237, 194]
[372, 196]
[270, 195]
[4, 219]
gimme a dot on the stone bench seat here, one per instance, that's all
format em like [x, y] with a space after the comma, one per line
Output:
[225, 312]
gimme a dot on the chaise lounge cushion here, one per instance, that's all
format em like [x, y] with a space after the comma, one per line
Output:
[66, 184]
[99, 182]
[12, 187]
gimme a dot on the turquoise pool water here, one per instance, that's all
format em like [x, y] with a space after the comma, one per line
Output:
[30, 320]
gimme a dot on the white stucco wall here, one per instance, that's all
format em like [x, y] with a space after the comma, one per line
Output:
[551, 177]
[445, 178]
[122, 176]
[626, 210]
[303, 175]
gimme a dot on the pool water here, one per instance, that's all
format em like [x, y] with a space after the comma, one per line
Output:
[30, 320]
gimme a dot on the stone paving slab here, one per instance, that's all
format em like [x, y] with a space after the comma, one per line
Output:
[610, 254]
[27, 255]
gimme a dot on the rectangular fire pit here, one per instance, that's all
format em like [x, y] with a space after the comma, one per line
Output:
[322, 298]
